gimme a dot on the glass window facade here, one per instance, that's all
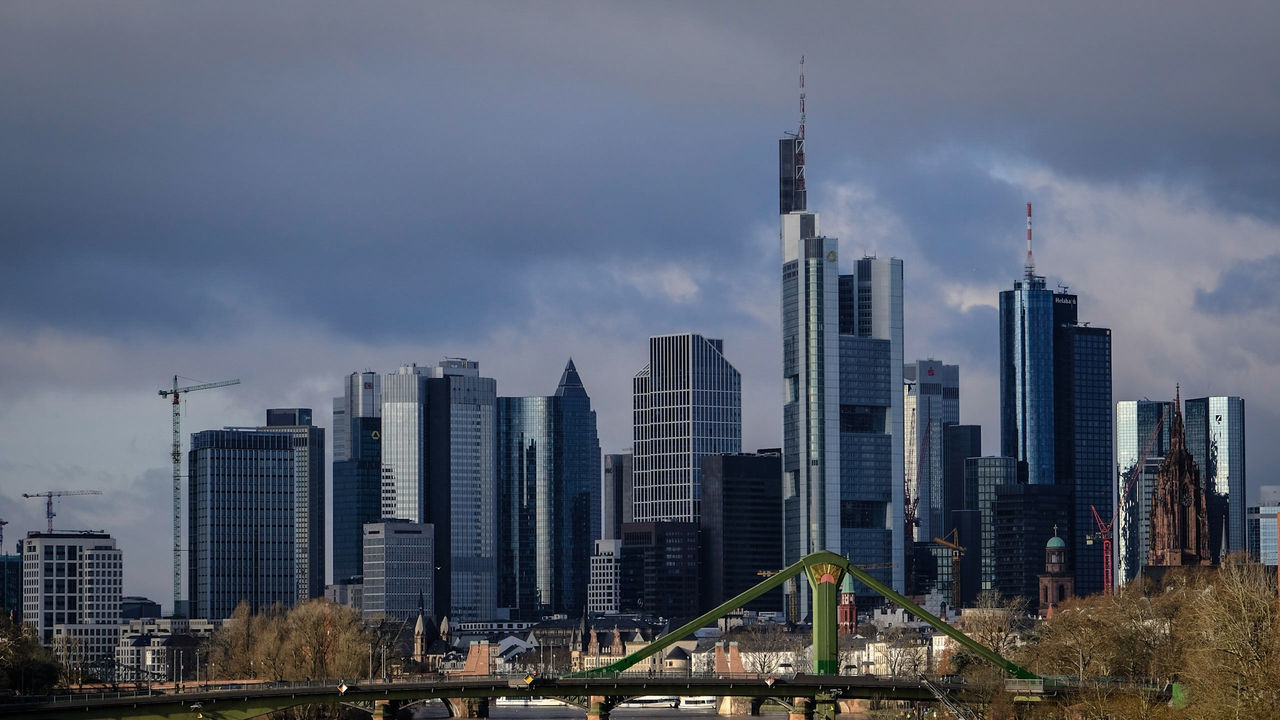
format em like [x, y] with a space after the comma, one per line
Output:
[549, 499]
[686, 404]
[1216, 440]
[1026, 378]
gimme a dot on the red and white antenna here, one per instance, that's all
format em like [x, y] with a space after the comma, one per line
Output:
[1031, 263]
[800, 135]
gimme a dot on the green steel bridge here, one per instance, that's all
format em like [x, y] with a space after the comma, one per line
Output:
[597, 691]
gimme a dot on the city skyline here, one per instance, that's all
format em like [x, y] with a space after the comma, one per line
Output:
[262, 200]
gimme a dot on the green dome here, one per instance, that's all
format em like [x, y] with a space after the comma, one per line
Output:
[1055, 542]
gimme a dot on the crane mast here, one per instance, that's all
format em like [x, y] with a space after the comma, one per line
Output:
[176, 453]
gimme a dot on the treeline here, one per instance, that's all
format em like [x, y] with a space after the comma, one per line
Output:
[1213, 632]
[26, 668]
[313, 641]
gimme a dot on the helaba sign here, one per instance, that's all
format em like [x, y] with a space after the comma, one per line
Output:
[1065, 299]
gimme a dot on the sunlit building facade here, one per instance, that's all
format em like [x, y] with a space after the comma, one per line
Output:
[1215, 438]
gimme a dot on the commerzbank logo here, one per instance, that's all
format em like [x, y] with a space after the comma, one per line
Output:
[831, 256]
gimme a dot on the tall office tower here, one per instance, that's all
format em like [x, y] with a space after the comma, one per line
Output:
[959, 443]
[1215, 437]
[741, 524]
[872, 464]
[399, 556]
[1055, 405]
[1082, 434]
[687, 403]
[548, 499]
[1141, 425]
[843, 405]
[404, 450]
[659, 569]
[308, 497]
[357, 470]
[71, 592]
[982, 475]
[439, 466]
[616, 495]
[931, 401]
[462, 488]
[1261, 526]
[1026, 378]
[242, 532]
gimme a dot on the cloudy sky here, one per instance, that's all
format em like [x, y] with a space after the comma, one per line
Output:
[284, 193]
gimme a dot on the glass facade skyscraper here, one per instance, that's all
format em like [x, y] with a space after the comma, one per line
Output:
[404, 452]
[1026, 378]
[548, 499]
[1261, 524]
[357, 469]
[308, 498]
[1082, 433]
[1136, 425]
[1055, 407]
[615, 495]
[931, 396]
[842, 362]
[242, 528]
[686, 404]
[982, 476]
[1215, 438]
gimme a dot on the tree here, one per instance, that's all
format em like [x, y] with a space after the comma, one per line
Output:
[26, 668]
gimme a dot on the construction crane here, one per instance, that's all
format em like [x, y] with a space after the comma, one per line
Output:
[911, 502]
[49, 495]
[177, 392]
[1126, 496]
[957, 552]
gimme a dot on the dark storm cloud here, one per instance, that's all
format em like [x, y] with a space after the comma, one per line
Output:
[1245, 288]
[401, 171]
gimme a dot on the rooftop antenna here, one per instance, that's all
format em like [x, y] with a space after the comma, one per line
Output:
[1031, 263]
[800, 134]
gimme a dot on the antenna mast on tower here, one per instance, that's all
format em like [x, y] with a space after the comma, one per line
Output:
[800, 135]
[1031, 263]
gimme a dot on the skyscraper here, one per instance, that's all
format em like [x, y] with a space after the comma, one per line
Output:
[462, 488]
[242, 538]
[1261, 522]
[1055, 405]
[357, 469]
[1215, 438]
[982, 477]
[741, 523]
[687, 403]
[931, 396]
[548, 498]
[843, 404]
[1141, 425]
[439, 467]
[308, 498]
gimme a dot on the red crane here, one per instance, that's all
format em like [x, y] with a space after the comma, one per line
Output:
[1104, 528]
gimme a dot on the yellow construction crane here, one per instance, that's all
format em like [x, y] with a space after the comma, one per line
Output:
[176, 392]
[49, 495]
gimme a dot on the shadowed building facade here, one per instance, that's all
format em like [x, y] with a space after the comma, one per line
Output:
[548, 499]
[741, 523]
[1215, 438]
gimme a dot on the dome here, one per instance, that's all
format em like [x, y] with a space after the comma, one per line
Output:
[1055, 542]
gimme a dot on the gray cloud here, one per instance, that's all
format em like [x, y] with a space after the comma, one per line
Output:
[1246, 287]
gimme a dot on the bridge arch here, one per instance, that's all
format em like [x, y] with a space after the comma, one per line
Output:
[824, 570]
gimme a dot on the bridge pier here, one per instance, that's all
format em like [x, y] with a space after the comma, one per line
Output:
[469, 707]
[598, 707]
[802, 709]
